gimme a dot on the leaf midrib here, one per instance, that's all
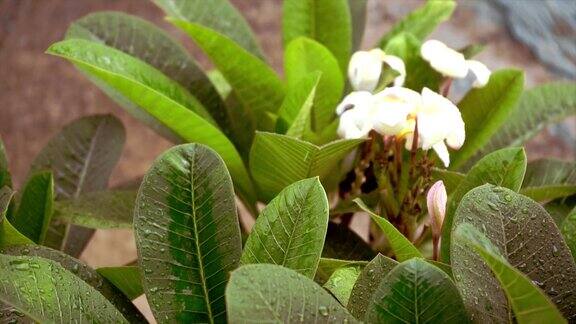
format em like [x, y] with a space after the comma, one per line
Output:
[299, 216]
[88, 159]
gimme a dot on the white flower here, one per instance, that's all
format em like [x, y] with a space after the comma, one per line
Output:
[355, 123]
[365, 68]
[354, 99]
[391, 108]
[452, 63]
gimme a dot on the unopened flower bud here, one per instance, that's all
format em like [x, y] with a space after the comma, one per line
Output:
[436, 202]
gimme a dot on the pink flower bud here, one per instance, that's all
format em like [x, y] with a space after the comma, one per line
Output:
[436, 201]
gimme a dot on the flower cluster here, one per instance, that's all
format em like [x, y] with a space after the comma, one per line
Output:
[399, 111]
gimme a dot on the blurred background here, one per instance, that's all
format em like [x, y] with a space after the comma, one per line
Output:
[39, 93]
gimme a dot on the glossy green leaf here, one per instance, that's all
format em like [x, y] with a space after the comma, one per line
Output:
[295, 114]
[127, 279]
[219, 15]
[341, 282]
[530, 304]
[162, 98]
[267, 292]
[343, 243]
[527, 239]
[8, 234]
[5, 179]
[537, 108]
[187, 234]
[46, 292]
[35, 208]
[304, 56]
[277, 160]
[451, 179]
[290, 231]
[98, 210]
[326, 21]
[485, 110]
[422, 21]
[548, 179]
[358, 13]
[327, 267]
[255, 84]
[505, 168]
[416, 292]
[85, 273]
[368, 280]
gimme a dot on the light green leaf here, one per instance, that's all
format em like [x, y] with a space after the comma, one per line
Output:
[485, 110]
[35, 208]
[505, 168]
[548, 179]
[368, 280]
[8, 234]
[290, 231]
[5, 179]
[343, 243]
[63, 294]
[295, 114]
[161, 97]
[341, 282]
[304, 56]
[422, 21]
[529, 303]
[358, 13]
[127, 279]
[416, 292]
[401, 246]
[98, 210]
[327, 267]
[568, 229]
[219, 15]
[326, 21]
[526, 238]
[451, 179]
[270, 293]
[277, 160]
[187, 234]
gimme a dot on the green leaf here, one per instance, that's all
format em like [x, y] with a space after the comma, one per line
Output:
[161, 97]
[568, 230]
[277, 160]
[304, 56]
[326, 21]
[527, 239]
[219, 15]
[98, 210]
[416, 291]
[46, 292]
[327, 267]
[529, 303]
[341, 282]
[343, 243]
[505, 168]
[255, 84]
[537, 108]
[358, 13]
[85, 273]
[35, 208]
[187, 234]
[422, 21]
[270, 293]
[401, 246]
[485, 110]
[8, 234]
[548, 179]
[451, 179]
[81, 157]
[295, 114]
[127, 279]
[5, 179]
[290, 231]
[368, 280]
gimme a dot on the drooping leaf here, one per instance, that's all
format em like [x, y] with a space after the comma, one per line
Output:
[8, 234]
[277, 160]
[85, 273]
[326, 21]
[304, 56]
[228, 21]
[416, 291]
[290, 231]
[527, 239]
[5, 179]
[341, 282]
[187, 234]
[568, 229]
[255, 84]
[327, 266]
[422, 21]
[548, 179]
[505, 168]
[530, 304]
[63, 294]
[485, 110]
[358, 12]
[368, 280]
[267, 292]
[127, 279]
[295, 114]
[402, 247]
[34, 212]
[98, 210]
[162, 98]
[343, 243]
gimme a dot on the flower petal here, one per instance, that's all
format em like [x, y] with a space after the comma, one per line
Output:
[365, 68]
[354, 123]
[436, 200]
[354, 99]
[480, 71]
[442, 151]
[444, 59]
[391, 108]
[397, 65]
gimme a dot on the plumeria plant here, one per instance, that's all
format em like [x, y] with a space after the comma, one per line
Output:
[370, 187]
